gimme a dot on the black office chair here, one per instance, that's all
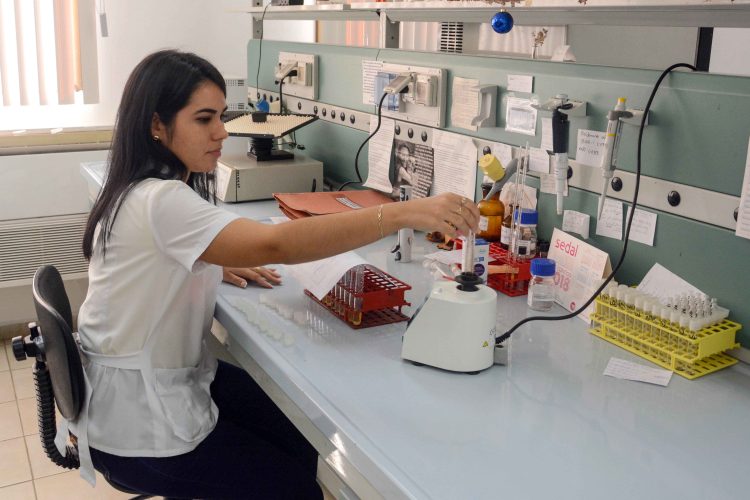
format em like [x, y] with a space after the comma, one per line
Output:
[58, 374]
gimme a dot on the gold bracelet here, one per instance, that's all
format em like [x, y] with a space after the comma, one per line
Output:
[380, 220]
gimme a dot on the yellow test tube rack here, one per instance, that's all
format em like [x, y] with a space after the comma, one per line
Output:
[688, 353]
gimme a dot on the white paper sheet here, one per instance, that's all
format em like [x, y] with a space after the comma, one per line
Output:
[627, 370]
[576, 222]
[547, 184]
[321, 275]
[465, 103]
[379, 156]
[546, 134]
[448, 258]
[610, 223]
[503, 152]
[520, 116]
[528, 195]
[590, 147]
[643, 227]
[520, 83]
[663, 284]
[743, 215]
[538, 160]
[369, 70]
[455, 164]
[563, 53]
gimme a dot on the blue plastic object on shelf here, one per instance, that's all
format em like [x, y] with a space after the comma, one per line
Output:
[502, 22]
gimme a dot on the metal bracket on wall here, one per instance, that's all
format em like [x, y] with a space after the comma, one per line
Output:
[698, 204]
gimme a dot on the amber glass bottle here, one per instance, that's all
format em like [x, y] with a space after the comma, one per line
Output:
[490, 215]
[505, 234]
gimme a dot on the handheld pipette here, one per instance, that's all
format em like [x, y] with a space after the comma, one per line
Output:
[611, 143]
[560, 131]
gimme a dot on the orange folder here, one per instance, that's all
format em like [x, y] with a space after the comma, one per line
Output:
[297, 205]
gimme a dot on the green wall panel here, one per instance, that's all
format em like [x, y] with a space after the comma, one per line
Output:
[698, 135]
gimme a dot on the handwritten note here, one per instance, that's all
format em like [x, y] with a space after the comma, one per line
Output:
[643, 226]
[576, 222]
[610, 223]
[590, 147]
[520, 116]
[627, 370]
[379, 156]
[520, 83]
[743, 215]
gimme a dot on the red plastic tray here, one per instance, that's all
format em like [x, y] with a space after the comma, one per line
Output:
[512, 285]
[377, 302]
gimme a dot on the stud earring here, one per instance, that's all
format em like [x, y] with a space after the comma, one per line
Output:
[156, 138]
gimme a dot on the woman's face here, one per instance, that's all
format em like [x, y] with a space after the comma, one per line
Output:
[197, 132]
[403, 155]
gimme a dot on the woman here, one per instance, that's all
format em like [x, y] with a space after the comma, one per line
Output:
[161, 416]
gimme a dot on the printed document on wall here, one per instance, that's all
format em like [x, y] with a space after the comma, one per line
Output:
[743, 215]
[379, 156]
[465, 106]
[455, 164]
[369, 70]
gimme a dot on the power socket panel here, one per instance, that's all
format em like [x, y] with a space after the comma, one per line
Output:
[305, 83]
[424, 100]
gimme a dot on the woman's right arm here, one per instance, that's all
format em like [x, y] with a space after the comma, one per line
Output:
[246, 243]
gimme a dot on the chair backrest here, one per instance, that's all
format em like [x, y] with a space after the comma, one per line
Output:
[60, 350]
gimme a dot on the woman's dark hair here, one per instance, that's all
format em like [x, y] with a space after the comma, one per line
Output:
[160, 85]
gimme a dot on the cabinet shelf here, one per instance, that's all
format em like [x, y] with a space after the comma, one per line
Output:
[685, 13]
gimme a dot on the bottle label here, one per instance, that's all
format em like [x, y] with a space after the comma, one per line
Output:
[505, 235]
[483, 223]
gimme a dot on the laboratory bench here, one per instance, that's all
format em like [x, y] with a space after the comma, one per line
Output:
[549, 424]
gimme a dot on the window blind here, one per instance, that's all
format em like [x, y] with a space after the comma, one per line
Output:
[40, 56]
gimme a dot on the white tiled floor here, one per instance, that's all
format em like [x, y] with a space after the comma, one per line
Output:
[25, 471]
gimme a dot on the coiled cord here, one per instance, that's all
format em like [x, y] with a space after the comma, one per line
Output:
[45, 398]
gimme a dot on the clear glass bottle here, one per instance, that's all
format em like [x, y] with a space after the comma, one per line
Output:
[490, 215]
[524, 238]
[541, 294]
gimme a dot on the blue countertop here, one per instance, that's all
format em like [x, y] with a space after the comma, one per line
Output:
[547, 425]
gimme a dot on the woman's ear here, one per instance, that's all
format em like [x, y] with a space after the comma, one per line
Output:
[158, 129]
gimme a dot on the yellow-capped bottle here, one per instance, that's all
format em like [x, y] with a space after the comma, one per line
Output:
[491, 214]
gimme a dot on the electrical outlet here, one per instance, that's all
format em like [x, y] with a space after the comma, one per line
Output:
[304, 83]
[424, 99]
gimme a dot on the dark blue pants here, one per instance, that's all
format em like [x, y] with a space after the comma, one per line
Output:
[254, 452]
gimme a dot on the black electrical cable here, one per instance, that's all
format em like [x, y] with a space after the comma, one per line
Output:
[575, 313]
[260, 51]
[356, 158]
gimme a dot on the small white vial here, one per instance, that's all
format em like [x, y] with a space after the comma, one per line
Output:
[542, 285]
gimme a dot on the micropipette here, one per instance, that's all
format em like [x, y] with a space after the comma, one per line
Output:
[560, 131]
[611, 143]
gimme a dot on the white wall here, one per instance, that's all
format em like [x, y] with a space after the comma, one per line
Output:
[139, 27]
[730, 51]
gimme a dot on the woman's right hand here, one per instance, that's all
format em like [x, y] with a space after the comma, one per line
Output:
[448, 213]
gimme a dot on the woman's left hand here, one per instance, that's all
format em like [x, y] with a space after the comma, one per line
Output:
[239, 276]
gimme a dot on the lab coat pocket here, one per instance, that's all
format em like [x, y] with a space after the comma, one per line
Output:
[186, 399]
